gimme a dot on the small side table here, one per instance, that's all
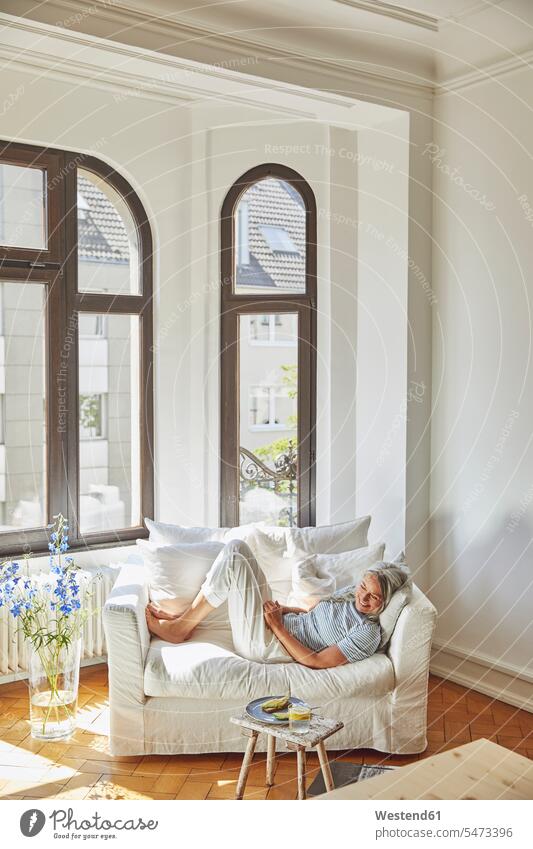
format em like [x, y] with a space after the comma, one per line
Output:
[319, 730]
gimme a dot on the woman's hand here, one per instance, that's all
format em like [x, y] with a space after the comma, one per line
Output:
[273, 613]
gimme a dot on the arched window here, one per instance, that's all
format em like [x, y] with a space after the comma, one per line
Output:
[268, 349]
[76, 339]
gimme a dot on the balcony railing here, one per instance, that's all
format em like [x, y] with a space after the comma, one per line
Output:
[257, 478]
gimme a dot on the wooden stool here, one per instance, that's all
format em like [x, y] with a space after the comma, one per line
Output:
[319, 730]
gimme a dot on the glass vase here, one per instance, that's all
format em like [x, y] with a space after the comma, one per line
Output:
[53, 678]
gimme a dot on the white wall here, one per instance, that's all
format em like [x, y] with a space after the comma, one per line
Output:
[482, 452]
[384, 399]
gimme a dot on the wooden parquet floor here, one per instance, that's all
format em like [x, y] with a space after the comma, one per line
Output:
[82, 768]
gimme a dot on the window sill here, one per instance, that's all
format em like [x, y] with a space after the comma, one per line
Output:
[14, 552]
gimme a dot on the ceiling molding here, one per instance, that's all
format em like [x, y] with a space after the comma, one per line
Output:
[480, 6]
[135, 85]
[181, 80]
[352, 74]
[493, 70]
[181, 32]
[118, 81]
[397, 13]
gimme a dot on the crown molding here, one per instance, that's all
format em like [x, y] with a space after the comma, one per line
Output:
[356, 75]
[179, 81]
[118, 81]
[397, 13]
[492, 70]
[182, 32]
[134, 84]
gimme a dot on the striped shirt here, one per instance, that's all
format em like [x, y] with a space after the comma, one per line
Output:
[335, 623]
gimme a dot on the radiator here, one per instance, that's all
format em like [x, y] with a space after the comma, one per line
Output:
[13, 646]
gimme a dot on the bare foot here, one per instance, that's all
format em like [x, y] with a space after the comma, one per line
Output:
[159, 613]
[173, 631]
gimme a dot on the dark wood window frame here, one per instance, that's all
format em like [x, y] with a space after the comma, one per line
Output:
[56, 266]
[233, 305]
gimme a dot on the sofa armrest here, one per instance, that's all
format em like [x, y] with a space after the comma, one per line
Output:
[410, 653]
[127, 634]
[410, 643]
[128, 640]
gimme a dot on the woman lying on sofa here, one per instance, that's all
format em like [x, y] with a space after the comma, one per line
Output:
[337, 630]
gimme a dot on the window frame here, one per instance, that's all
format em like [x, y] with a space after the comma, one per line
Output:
[233, 305]
[57, 268]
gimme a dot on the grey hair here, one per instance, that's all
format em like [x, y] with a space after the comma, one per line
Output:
[391, 577]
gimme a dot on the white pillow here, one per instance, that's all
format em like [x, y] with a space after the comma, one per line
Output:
[318, 576]
[329, 539]
[390, 615]
[268, 544]
[164, 534]
[178, 571]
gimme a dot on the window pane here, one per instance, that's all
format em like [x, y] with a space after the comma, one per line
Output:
[270, 239]
[22, 207]
[108, 253]
[273, 329]
[268, 422]
[22, 392]
[109, 423]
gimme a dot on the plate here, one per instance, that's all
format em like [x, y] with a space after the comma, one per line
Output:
[254, 710]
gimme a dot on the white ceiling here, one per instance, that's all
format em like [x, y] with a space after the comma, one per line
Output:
[424, 40]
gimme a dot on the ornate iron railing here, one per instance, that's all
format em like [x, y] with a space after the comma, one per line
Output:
[281, 479]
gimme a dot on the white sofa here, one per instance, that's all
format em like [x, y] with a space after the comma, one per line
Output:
[173, 699]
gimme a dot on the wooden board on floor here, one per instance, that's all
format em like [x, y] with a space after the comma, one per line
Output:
[479, 770]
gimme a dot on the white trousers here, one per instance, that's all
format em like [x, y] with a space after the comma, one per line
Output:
[235, 576]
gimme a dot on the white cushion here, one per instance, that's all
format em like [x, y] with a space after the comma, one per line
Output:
[165, 534]
[178, 571]
[276, 548]
[269, 547]
[207, 667]
[318, 576]
[329, 539]
[389, 617]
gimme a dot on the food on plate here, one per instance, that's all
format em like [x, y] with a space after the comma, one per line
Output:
[273, 705]
[281, 714]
